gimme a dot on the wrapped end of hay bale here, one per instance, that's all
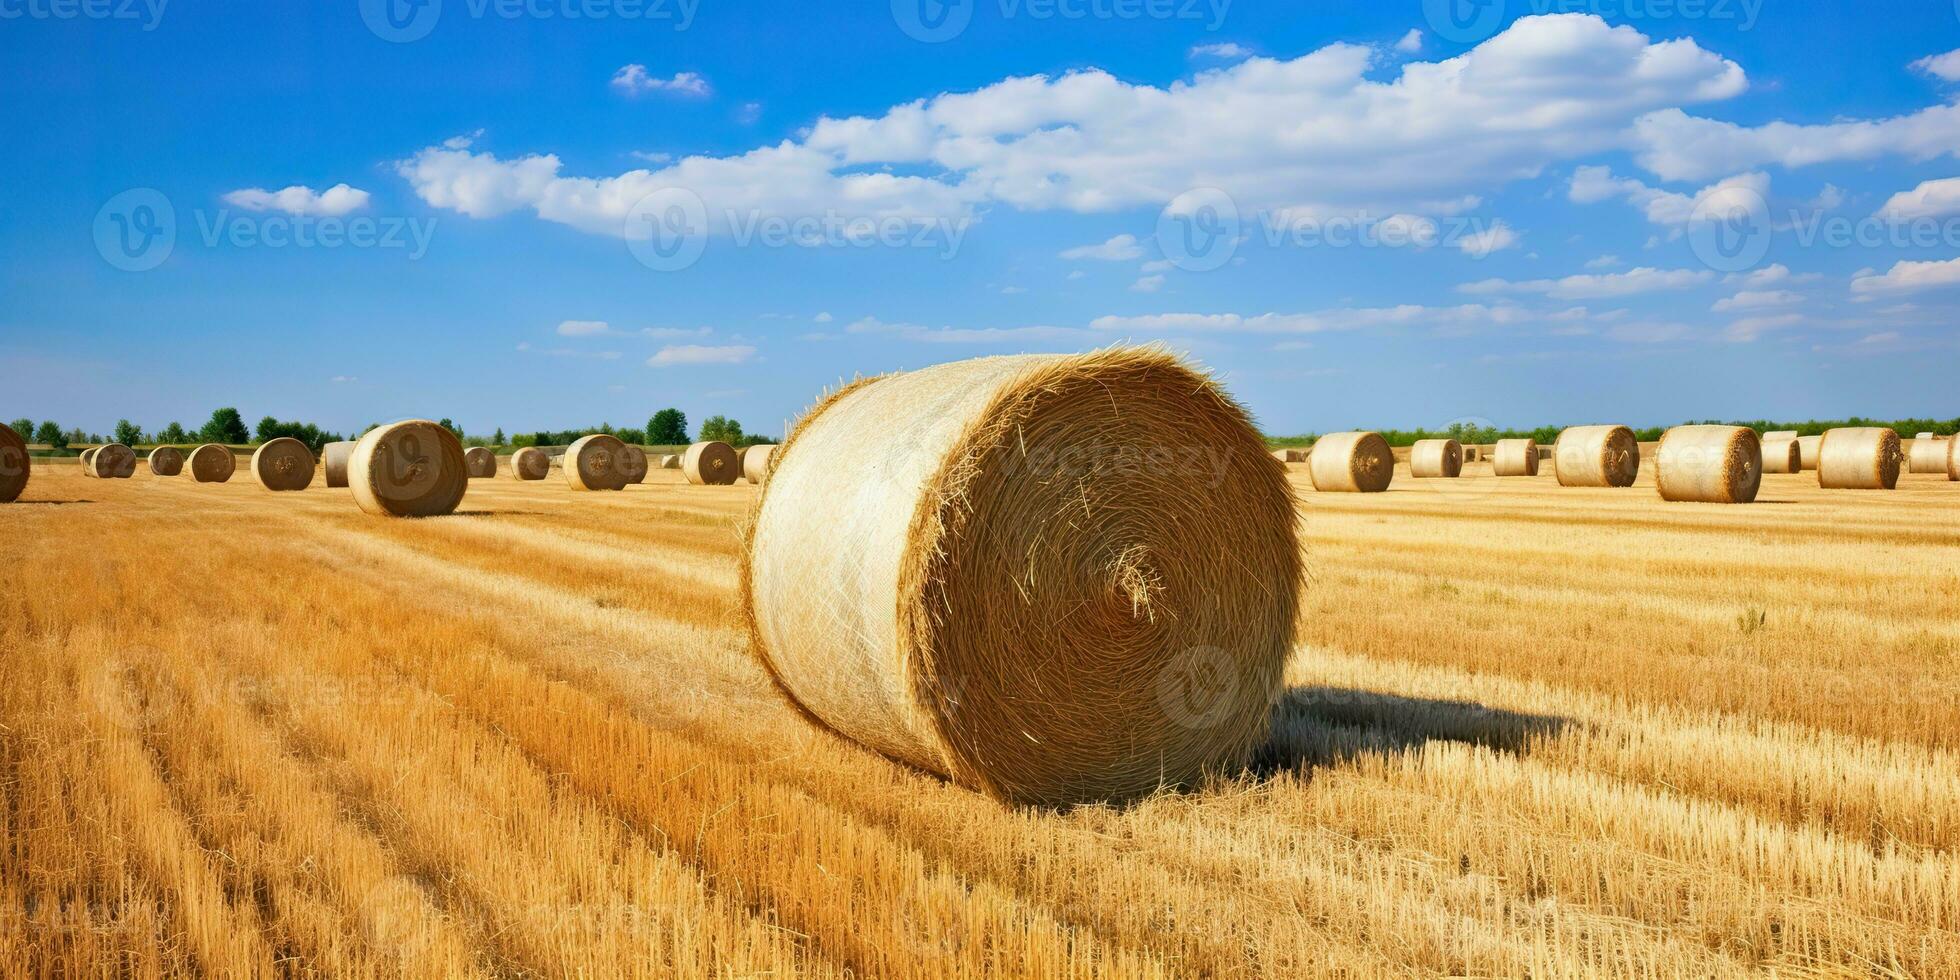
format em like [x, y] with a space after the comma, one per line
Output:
[1436, 458]
[596, 462]
[1927, 455]
[755, 462]
[333, 459]
[1859, 459]
[283, 465]
[1807, 447]
[480, 463]
[1716, 464]
[166, 461]
[530, 463]
[1515, 457]
[1351, 462]
[1781, 455]
[1020, 582]
[710, 464]
[211, 463]
[412, 468]
[15, 465]
[114, 461]
[1596, 456]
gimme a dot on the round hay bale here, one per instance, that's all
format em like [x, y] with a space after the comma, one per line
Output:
[1927, 435]
[670, 461]
[1859, 459]
[211, 463]
[1927, 456]
[530, 463]
[1515, 457]
[1351, 462]
[1430, 458]
[15, 465]
[88, 462]
[1781, 455]
[1807, 447]
[755, 462]
[1953, 458]
[1780, 434]
[596, 462]
[1715, 464]
[114, 461]
[710, 464]
[634, 460]
[994, 591]
[412, 468]
[166, 461]
[480, 462]
[283, 465]
[1596, 456]
[333, 459]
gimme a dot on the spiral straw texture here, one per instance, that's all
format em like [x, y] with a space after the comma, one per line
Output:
[711, 464]
[283, 465]
[1716, 464]
[1515, 457]
[596, 462]
[166, 461]
[1596, 456]
[480, 462]
[1351, 462]
[412, 468]
[530, 463]
[211, 463]
[1436, 458]
[1014, 583]
[16, 467]
[333, 459]
[1859, 459]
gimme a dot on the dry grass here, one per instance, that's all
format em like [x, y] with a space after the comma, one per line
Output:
[1529, 731]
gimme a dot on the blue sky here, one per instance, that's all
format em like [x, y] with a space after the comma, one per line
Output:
[527, 215]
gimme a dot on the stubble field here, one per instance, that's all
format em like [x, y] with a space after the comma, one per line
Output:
[1528, 731]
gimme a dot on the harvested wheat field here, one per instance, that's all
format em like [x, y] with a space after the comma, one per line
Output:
[1528, 731]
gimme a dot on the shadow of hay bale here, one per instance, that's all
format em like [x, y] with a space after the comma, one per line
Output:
[1317, 726]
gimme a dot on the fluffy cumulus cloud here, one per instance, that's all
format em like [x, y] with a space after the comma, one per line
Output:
[582, 328]
[1497, 237]
[300, 200]
[1906, 277]
[1756, 299]
[1121, 248]
[1677, 146]
[1945, 67]
[1598, 286]
[676, 355]
[1592, 184]
[1225, 50]
[1931, 199]
[636, 80]
[1320, 321]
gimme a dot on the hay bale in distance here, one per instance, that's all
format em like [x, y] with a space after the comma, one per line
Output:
[16, 467]
[1596, 456]
[114, 461]
[634, 460]
[412, 468]
[1953, 458]
[1715, 464]
[1351, 462]
[915, 598]
[1782, 455]
[1859, 459]
[670, 461]
[88, 462]
[530, 463]
[710, 464]
[283, 465]
[596, 462]
[1515, 457]
[1927, 435]
[333, 459]
[1927, 455]
[166, 461]
[1807, 447]
[1436, 458]
[211, 463]
[755, 462]
[480, 462]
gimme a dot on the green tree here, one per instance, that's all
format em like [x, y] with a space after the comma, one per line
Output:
[173, 434]
[128, 433]
[226, 426]
[668, 427]
[721, 429]
[25, 427]
[452, 427]
[268, 429]
[498, 438]
[51, 436]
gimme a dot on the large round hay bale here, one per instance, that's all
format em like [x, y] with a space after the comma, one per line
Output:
[480, 463]
[88, 462]
[756, 461]
[1807, 447]
[711, 464]
[634, 460]
[991, 592]
[1859, 459]
[1715, 464]
[1436, 458]
[1927, 456]
[1596, 456]
[1781, 455]
[166, 461]
[1953, 457]
[412, 468]
[114, 461]
[333, 459]
[1351, 462]
[15, 465]
[1515, 457]
[530, 463]
[211, 463]
[283, 465]
[596, 462]
[670, 461]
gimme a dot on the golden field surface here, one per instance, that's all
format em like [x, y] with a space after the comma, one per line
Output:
[1528, 731]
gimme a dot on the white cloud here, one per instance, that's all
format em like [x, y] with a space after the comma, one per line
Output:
[1147, 284]
[635, 80]
[1678, 146]
[582, 328]
[1603, 262]
[748, 113]
[672, 333]
[823, 318]
[1497, 237]
[1767, 275]
[1827, 199]
[1592, 184]
[1228, 51]
[1931, 199]
[679, 354]
[1611, 284]
[1751, 328]
[1410, 43]
[1906, 277]
[1348, 318]
[1077, 274]
[1121, 248]
[341, 379]
[334, 201]
[966, 335]
[636, 154]
[1755, 299]
[1945, 67]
